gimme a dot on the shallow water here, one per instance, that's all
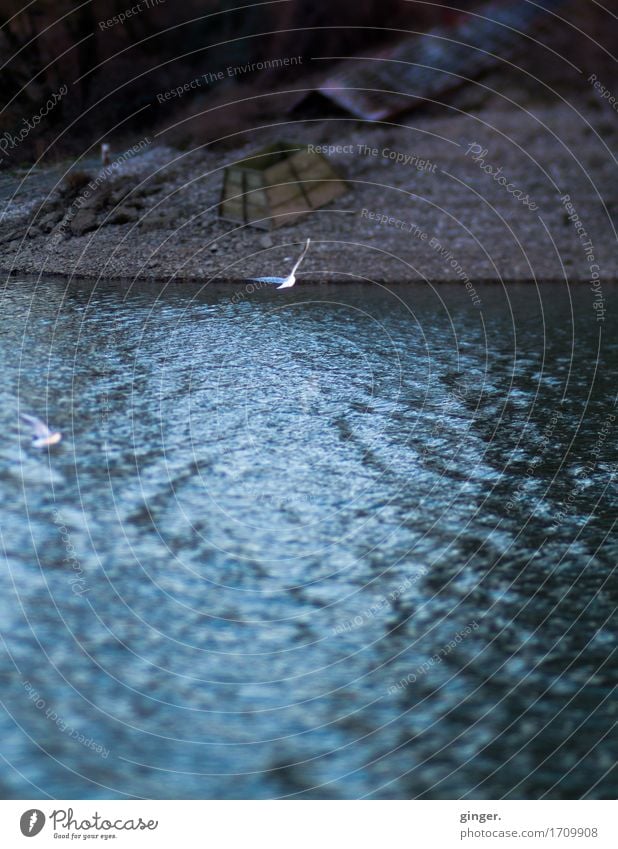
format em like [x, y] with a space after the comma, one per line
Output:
[335, 542]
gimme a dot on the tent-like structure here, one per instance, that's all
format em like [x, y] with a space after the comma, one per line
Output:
[277, 186]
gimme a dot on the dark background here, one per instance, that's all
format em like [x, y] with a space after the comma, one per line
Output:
[115, 73]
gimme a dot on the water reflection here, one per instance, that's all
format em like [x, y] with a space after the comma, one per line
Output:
[277, 509]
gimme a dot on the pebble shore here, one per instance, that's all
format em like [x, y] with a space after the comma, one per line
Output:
[488, 196]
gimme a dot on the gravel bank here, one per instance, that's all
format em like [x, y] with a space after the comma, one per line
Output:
[446, 211]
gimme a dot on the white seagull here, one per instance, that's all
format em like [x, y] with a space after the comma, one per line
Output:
[290, 280]
[42, 436]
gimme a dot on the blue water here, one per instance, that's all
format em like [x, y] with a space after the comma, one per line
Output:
[337, 542]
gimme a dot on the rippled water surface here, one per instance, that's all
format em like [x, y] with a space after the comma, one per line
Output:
[334, 542]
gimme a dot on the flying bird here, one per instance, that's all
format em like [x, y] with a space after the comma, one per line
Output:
[42, 436]
[290, 280]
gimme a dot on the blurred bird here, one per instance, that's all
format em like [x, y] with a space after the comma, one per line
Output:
[290, 280]
[42, 436]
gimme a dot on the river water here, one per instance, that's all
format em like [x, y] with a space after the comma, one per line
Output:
[337, 542]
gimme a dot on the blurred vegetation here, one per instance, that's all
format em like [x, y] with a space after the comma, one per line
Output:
[114, 73]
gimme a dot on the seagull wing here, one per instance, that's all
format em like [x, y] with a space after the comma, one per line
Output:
[301, 257]
[276, 281]
[39, 428]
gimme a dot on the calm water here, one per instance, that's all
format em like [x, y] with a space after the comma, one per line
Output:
[335, 542]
